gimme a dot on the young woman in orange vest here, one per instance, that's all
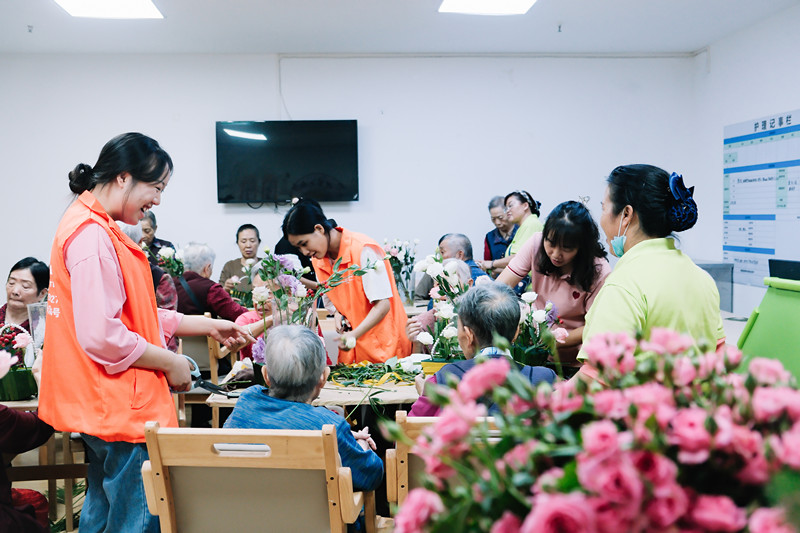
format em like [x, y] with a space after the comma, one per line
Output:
[105, 368]
[370, 316]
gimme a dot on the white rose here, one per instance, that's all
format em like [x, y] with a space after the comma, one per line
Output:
[454, 280]
[380, 267]
[260, 295]
[406, 244]
[434, 270]
[416, 241]
[166, 252]
[451, 268]
[425, 338]
[449, 332]
[249, 262]
[548, 306]
[179, 255]
[144, 246]
[539, 315]
[529, 297]
[445, 310]
[235, 279]
[301, 291]
[349, 342]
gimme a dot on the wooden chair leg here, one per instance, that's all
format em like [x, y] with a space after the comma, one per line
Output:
[215, 417]
[66, 450]
[370, 518]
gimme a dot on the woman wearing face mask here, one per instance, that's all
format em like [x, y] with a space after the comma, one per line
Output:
[369, 310]
[27, 283]
[567, 265]
[105, 367]
[653, 285]
[233, 275]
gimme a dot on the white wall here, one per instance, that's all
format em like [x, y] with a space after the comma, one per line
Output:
[744, 76]
[437, 136]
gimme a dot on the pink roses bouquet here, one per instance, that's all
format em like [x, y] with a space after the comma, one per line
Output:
[668, 439]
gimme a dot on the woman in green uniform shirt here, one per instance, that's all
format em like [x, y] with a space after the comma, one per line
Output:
[653, 285]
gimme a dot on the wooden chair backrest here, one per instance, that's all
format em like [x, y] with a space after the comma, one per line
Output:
[404, 469]
[247, 480]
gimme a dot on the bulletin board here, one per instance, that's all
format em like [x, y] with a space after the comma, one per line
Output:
[761, 199]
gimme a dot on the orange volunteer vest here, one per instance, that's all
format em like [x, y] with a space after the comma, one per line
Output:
[388, 338]
[76, 393]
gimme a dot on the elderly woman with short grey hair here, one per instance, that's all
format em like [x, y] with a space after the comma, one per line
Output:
[483, 311]
[295, 372]
[197, 292]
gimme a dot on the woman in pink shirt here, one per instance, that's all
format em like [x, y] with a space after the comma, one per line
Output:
[567, 265]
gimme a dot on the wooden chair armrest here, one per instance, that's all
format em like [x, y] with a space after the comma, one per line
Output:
[350, 502]
[391, 475]
[149, 488]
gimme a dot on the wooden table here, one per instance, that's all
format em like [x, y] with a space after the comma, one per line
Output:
[332, 395]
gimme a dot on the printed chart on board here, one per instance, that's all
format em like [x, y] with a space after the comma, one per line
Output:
[761, 197]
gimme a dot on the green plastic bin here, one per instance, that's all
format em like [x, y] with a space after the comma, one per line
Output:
[773, 329]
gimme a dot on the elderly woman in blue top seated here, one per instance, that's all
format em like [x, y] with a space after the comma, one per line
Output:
[484, 310]
[295, 372]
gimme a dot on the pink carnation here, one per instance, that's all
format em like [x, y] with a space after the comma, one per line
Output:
[600, 438]
[611, 351]
[687, 431]
[560, 513]
[670, 504]
[666, 341]
[683, 371]
[563, 398]
[769, 520]
[659, 470]
[787, 447]
[768, 371]
[731, 355]
[615, 479]
[769, 402]
[483, 378]
[611, 403]
[417, 510]
[508, 523]
[717, 513]
[649, 398]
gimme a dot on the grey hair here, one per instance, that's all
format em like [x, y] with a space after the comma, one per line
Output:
[497, 201]
[488, 309]
[132, 231]
[150, 215]
[462, 269]
[460, 242]
[197, 255]
[295, 360]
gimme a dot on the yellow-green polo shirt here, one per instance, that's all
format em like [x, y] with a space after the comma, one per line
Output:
[654, 285]
[529, 226]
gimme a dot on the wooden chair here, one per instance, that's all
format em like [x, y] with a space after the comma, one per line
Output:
[216, 352]
[264, 480]
[403, 468]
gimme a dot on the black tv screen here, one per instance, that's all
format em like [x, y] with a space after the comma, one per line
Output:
[275, 161]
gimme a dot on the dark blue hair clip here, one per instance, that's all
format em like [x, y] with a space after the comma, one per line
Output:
[678, 189]
[683, 212]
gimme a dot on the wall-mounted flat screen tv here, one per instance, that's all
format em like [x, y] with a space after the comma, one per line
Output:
[275, 161]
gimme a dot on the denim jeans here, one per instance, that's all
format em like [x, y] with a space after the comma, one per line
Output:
[115, 501]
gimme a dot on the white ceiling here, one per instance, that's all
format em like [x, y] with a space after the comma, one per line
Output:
[385, 27]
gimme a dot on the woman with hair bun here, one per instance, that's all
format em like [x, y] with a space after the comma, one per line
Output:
[653, 285]
[370, 316]
[105, 367]
[567, 266]
[522, 210]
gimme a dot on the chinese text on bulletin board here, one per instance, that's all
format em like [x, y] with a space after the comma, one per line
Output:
[761, 198]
